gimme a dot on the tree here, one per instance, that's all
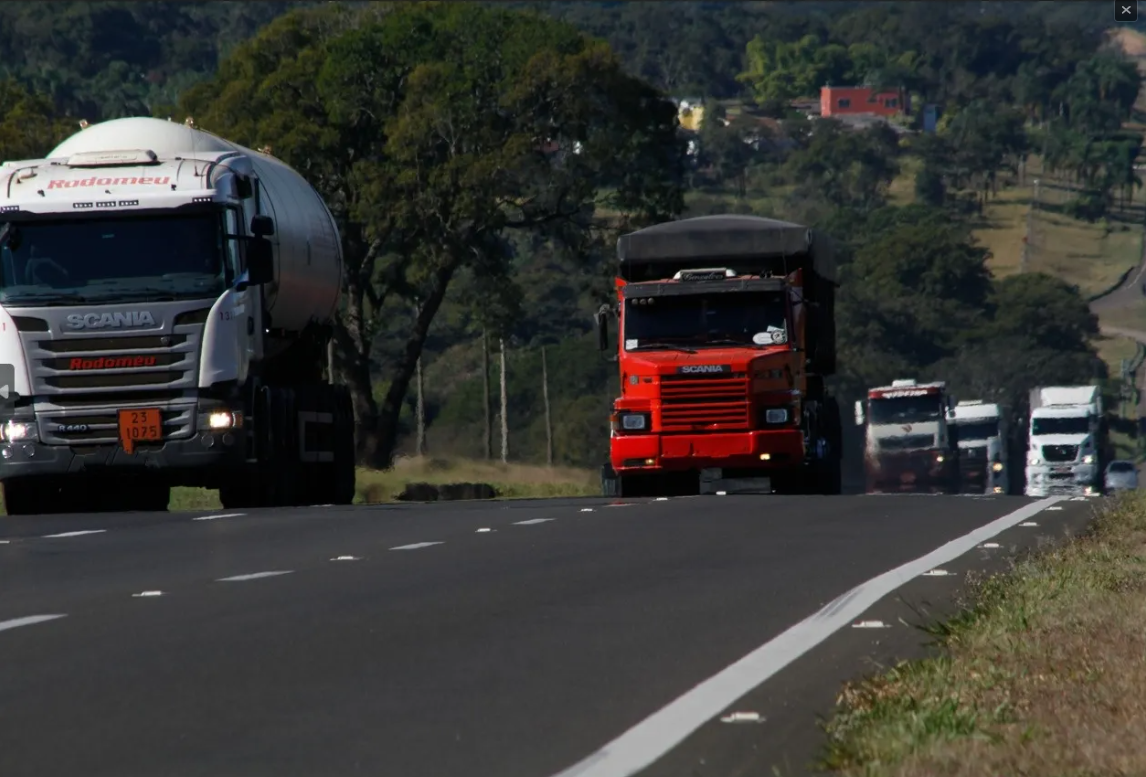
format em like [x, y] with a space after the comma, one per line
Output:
[434, 131]
[29, 124]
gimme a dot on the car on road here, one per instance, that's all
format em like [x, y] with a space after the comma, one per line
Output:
[1121, 476]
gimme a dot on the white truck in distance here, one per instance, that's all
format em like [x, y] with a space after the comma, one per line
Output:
[165, 303]
[982, 438]
[1064, 441]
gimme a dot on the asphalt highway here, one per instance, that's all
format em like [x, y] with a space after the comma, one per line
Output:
[507, 639]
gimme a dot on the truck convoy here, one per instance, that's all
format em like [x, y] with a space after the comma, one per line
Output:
[981, 434]
[726, 334]
[165, 307]
[1066, 441]
[908, 444]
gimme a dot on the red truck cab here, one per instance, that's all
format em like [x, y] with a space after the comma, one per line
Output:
[726, 332]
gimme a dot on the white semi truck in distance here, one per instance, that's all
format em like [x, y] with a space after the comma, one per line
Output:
[165, 307]
[981, 432]
[1066, 441]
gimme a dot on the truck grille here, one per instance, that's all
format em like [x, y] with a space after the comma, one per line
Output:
[1060, 452]
[80, 381]
[719, 402]
[907, 442]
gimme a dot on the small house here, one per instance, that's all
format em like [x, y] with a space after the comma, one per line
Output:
[853, 100]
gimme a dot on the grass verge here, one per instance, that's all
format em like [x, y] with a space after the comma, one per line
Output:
[1042, 674]
[511, 481]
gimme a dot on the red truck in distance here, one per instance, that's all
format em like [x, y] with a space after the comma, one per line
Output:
[726, 332]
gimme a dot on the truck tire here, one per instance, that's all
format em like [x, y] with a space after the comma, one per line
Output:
[43, 496]
[23, 497]
[610, 481]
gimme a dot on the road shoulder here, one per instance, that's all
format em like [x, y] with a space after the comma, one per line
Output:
[788, 738]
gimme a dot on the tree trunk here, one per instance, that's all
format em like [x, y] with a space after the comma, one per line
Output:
[504, 410]
[488, 440]
[420, 449]
[382, 455]
[354, 358]
[545, 401]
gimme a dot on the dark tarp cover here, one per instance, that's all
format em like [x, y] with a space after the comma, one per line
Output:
[728, 237]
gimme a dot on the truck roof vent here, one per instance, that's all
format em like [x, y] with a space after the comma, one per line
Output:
[130, 157]
[705, 274]
[903, 383]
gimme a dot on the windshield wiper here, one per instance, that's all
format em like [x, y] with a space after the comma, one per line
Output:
[730, 342]
[665, 346]
[46, 298]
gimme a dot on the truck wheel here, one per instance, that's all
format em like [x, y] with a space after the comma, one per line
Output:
[610, 481]
[42, 496]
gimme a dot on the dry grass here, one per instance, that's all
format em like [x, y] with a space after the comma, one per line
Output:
[1043, 675]
[1132, 317]
[901, 191]
[1091, 256]
[511, 481]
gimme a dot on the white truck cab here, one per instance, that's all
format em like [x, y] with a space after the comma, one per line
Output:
[1064, 445]
[982, 438]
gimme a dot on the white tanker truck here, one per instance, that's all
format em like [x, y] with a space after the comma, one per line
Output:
[165, 307]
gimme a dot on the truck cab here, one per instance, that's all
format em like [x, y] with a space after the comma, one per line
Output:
[908, 441]
[1065, 441]
[982, 438]
[725, 334]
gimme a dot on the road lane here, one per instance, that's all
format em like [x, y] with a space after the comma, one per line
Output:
[517, 651]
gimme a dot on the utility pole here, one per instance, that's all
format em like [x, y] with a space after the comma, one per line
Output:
[1023, 263]
[488, 443]
[545, 400]
[504, 410]
[420, 449]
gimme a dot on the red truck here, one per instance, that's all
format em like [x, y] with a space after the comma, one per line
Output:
[726, 332]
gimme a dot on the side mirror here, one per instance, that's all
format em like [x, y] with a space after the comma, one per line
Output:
[260, 262]
[859, 413]
[262, 226]
[602, 317]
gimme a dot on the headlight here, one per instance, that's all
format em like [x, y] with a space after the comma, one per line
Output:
[220, 421]
[630, 422]
[997, 466]
[939, 458]
[1088, 459]
[13, 431]
[1032, 458]
[775, 415]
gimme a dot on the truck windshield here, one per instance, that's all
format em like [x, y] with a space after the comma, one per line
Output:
[906, 410]
[112, 259]
[736, 319]
[978, 430]
[1076, 425]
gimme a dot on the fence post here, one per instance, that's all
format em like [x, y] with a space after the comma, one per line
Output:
[504, 410]
[548, 417]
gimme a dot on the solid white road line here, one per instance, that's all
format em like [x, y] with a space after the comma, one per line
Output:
[662, 731]
[253, 576]
[532, 521]
[31, 620]
[73, 534]
[216, 517]
[416, 546]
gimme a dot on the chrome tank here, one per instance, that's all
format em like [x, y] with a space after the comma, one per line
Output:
[307, 247]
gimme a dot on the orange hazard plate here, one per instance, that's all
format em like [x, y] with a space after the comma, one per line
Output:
[139, 426]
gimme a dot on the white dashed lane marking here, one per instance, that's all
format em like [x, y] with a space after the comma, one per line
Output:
[253, 576]
[216, 517]
[416, 546]
[532, 521]
[73, 534]
[30, 620]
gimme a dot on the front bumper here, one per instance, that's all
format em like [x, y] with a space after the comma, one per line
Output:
[1073, 480]
[912, 473]
[766, 450]
[195, 456]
